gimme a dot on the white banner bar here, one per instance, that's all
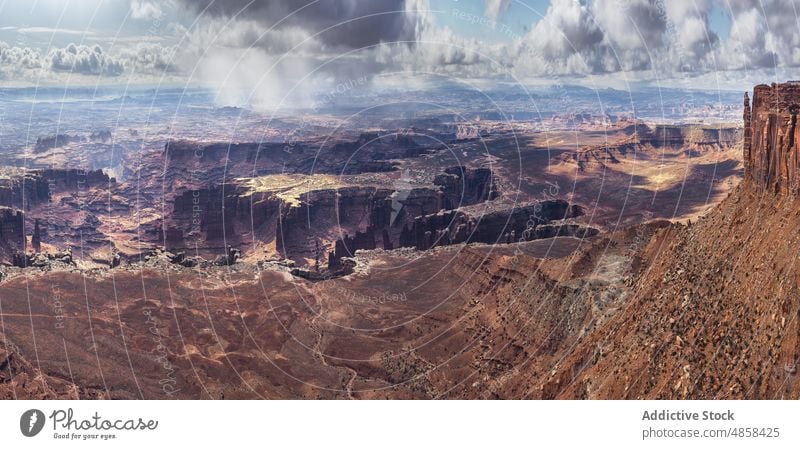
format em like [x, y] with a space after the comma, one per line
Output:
[401, 424]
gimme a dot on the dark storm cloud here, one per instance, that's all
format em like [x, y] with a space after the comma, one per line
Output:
[574, 36]
[342, 23]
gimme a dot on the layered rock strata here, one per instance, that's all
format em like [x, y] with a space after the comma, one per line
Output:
[770, 144]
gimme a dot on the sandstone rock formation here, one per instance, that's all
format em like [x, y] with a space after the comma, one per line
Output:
[503, 226]
[692, 139]
[315, 219]
[36, 238]
[12, 232]
[771, 135]
[29, 187]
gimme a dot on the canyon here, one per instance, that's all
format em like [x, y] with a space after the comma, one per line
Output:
[378, 265]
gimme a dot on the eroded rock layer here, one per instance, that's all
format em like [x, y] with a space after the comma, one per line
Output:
[770, 145]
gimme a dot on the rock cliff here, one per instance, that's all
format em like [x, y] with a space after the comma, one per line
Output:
[503, 226]
[314, 219]
[12, 232]
[28, 187]
[693, 140]
[770, 142]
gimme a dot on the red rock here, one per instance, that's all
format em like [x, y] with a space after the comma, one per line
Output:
[770, 143]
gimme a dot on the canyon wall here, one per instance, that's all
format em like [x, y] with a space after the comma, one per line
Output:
[505, 226]
[12, 232]
[194, 165]
[693, 139]
[35, 186]
[676, 136]
[28, 186]
[342, 219]
[770, 144]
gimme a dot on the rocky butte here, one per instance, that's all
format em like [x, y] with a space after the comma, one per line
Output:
[770, 137]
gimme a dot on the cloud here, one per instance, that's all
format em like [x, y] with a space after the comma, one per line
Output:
[142, 9]
[569, 39]
[495, 8]
[259, 54]
[340, 24]
[574, 38]
[632, 25]
[764, 34]
[666, 38]
[247, 34]
[18, 62]
[51, 30]
[19, 57]
[238, 44]
[84, 60]
[152, 59]
[691, 40]
[607, 36]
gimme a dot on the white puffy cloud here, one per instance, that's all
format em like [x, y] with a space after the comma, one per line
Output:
[18, 62]
[630, 25]
[579, 37]
[655, 38]
[568, 28]
[239, 42]
[145, 10]
[152, 59]
[84, 60]
[764, 34]
[19, 57]
[668, 38]
[690, 38]
[495, 8]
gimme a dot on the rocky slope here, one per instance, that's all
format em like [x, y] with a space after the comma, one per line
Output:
[20, 379]
[716, 315]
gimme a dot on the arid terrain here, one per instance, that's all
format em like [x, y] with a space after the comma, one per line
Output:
[590, 258]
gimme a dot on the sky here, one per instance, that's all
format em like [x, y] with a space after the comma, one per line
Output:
[270, 47]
